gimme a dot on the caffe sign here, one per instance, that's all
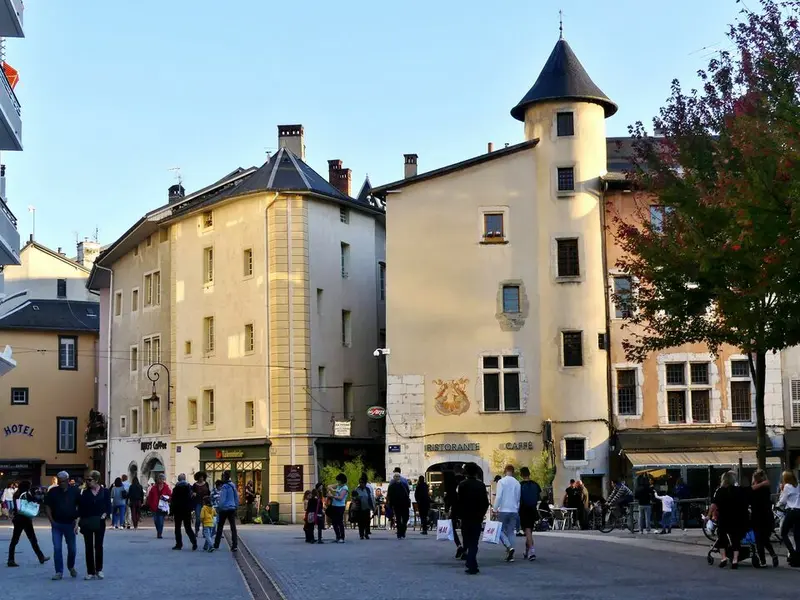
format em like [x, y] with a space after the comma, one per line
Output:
[18, 429]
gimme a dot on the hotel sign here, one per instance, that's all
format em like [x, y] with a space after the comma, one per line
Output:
[18, 429]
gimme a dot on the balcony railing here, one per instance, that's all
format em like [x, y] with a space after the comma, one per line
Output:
[7, 212]
[12, 95]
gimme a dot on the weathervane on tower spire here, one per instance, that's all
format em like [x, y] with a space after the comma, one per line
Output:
[560, 24]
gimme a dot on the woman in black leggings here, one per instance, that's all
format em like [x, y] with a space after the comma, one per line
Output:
[23, 523]
[761, 515]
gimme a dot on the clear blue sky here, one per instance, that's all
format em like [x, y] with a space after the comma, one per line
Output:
[115, 93]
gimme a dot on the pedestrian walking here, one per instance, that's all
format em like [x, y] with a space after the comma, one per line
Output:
[309, 515]
[397, 497]
[762, 518]
[451, 509]
[364, 505]
[126, 485]
[22, 521]
[94, 506]
[8, 499]
[506, 505]
[181, 507]
[158, 501]
[667, 504]
[249, 501]
[472, 504]
[207, 514]
[119, 500]
[422, 496]
[200, 491]
[732, 519]
[644, 496]
[215, 502]
[339, 492]
[790, 500]
[135, 501]
[319, 519]
[228, 504]
[680, 493]
[529, 495]
[61, 507]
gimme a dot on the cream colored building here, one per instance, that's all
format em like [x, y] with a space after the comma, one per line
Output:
[495, 303]
[270, 310]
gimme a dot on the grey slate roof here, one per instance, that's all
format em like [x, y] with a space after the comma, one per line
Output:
[366, 190]
[563, 77]
[54, 315]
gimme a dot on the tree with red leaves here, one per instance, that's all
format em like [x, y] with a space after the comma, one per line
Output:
[723, 264]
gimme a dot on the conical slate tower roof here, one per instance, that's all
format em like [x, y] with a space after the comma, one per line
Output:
[563, 77]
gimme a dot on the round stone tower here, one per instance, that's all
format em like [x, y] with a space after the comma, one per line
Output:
[566, 112]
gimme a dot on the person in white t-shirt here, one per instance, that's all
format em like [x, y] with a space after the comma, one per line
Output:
[126, 485]
[667, 504]
[506, 505]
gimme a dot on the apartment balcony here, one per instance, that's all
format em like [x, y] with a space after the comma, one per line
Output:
[9, 236]
[10, 116]
[11, 18]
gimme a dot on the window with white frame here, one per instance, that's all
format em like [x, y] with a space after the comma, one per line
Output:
[741, 393]
[151, 416]
[574, 449]
[345, 260]
[249, 338]
[157, 288]
[626, 392]
[68, 353]
[622, 293]
[688, 392]
[208, 335]
[248, 262]
[209, 408]
[208, 266]
[249, 414]
[192, 410]
[344, 215]
[794, 388]
[67, 435]
[501, 383]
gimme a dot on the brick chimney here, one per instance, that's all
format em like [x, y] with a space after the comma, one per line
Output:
[339, 178]
[410, 166]
[175, 193]
[291, 138]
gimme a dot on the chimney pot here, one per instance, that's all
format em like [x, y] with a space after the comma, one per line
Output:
[410, 168]
[339, 177]
[175, 193]
[292, 138]
[59, 250]
[489, 147]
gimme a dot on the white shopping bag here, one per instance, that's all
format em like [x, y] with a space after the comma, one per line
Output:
[444, 530]
[163, 504]
[491, 532]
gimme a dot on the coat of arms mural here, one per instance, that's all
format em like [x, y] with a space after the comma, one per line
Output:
[451, 397]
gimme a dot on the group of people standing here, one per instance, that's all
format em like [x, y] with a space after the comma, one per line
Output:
[70, 510]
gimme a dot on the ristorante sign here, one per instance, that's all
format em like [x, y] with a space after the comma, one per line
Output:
[463, 447]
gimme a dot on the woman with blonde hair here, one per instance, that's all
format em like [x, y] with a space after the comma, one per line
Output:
[732, 520]
[790, 500]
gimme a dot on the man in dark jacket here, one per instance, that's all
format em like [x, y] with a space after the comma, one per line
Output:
[397, 497]
[181, 506]
[423, 499]
[472, 504]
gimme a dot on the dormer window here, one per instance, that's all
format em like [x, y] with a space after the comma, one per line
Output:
[565, 124]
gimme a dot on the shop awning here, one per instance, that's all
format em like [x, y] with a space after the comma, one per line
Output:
[708, 458]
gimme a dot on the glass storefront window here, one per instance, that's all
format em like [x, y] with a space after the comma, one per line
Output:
[247, 471]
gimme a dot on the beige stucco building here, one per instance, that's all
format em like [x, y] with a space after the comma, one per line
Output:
[270, 310]
[506, 362]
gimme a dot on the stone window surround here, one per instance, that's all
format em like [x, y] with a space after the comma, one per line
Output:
[639, 368]
[119, 300]
[145, 402]
[563, 450]
[135, 307]
[561, 365]
[498, 209]
[133, 420]
[554, 257]
[134, 372]
[523, 382]
[730, 378]
[576, 179]
[155, 295]
[613, 274]
[715, 395]
[554, 137]
[512, 321]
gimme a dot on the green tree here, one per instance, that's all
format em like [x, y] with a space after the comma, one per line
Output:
[353, 469]
[542, 471]
[719, 266]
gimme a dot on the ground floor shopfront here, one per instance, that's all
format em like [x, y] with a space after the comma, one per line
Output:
[142, 457]
[37, 471]
[697, 456]
[247, 460]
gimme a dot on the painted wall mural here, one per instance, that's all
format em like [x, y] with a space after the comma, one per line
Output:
[451, 397]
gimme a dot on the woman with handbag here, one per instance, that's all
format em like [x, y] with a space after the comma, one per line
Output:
[158, 502]
[24, 509]
[93, 508]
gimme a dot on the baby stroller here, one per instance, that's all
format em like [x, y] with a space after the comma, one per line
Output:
[748, 546]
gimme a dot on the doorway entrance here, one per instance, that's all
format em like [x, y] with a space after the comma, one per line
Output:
[443, 478]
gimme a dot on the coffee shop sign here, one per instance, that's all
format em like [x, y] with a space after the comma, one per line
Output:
[147, 446]
[18, 429]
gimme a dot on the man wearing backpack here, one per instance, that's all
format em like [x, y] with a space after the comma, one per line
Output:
[529, 495]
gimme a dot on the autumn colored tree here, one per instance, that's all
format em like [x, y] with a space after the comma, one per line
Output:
[720, 263]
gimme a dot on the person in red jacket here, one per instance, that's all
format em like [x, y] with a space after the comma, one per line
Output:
[160, 490]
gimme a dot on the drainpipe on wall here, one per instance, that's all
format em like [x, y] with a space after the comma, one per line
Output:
[108, 371]
[607, 302]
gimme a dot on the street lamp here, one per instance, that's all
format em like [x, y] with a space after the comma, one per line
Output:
[154, 376]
